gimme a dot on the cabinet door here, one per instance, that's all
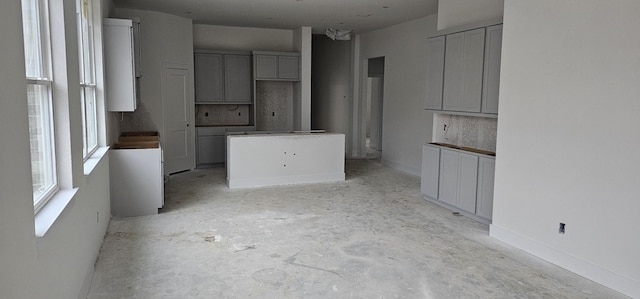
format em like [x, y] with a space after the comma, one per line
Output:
[467, 181]
[208, 73]
[266, 66]
[119, 65]
[492, 58]
[448, 185]
[486, 174]
[430, 171]
[473, 70]
[237, 78]
[288, 67]
[452, 89]
[435, 72]
[211, 149]
[463, 69]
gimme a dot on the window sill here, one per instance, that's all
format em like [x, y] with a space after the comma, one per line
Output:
[51, 211]
[93, 161]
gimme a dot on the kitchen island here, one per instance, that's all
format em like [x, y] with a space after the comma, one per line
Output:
[259, 159]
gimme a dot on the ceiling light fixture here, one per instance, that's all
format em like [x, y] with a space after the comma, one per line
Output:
[338, 34]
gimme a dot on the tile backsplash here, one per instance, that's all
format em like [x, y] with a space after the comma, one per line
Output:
[222, 115]
[469, 131]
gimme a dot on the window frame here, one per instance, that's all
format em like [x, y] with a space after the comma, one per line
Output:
[42, 77]
[87, 68]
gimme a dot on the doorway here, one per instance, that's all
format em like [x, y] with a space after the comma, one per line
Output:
[374, 104]
[177, 139]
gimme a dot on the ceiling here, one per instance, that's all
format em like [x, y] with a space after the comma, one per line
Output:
[358, 15]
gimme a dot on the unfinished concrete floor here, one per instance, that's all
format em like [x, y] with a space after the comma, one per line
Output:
[372, 236]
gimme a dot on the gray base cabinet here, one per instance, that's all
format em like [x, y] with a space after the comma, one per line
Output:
[211, 144]
[430, 171]
[458, 180]
[486, 174]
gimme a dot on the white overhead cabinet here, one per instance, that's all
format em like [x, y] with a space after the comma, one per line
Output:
[222, 78]
[463, 71]
[122, 64]
[280, 66]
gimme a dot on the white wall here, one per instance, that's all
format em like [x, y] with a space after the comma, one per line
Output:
[453, 13]
[60, 264]
[567, 136]
[406, 126]
[241, 38]
[331, 86]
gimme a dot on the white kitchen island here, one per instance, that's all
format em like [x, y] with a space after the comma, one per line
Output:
[258, 160]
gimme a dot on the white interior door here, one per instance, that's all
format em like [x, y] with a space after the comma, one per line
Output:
[178, 154]
[376, 90]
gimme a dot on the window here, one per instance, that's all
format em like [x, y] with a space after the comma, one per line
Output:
[87, 77]
[35, 19]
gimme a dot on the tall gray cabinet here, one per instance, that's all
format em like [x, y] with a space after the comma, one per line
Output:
[463, 71]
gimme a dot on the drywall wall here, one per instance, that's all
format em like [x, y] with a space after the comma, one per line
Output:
[406, 126]
[331, 86]
[302, 41]
[60, 264]
[165, 39]
[453, 13]
[567, 137]
[241, 38]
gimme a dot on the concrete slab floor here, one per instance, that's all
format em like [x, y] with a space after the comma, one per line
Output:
[372, 236]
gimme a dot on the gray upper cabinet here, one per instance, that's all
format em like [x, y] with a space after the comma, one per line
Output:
[430, 171]
[266, 66]
[237, 74]
[463, 70]
[289, 67]
[208, 73]
[492, 58]
[280, 66]
[435, 72]
[223, 78]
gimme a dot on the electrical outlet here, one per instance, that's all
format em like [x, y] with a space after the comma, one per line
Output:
[561, 228]
[445, 128]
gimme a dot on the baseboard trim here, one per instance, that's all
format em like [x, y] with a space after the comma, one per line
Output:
[615, 281]
[407, 169]
[285, 180]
